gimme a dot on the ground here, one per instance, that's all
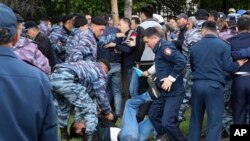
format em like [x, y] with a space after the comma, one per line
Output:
[184, 127]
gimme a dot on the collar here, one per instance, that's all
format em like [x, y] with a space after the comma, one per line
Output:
[67, 31]
[7, 51]
[210, 36]
[158, 45]
[38, 34]
[93, 34]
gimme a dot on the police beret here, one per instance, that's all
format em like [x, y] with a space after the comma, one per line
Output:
[30, 24]
[67, 17]
[8, 21]
[80, 20]
[201, 13]
[99, 20]
[19, 18]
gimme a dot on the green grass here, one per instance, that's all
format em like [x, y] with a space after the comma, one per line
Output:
[183, 126]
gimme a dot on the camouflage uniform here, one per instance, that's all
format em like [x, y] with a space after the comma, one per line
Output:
[191, 37]
[44, 28]
[81, 46]
[58, 39]
[28, 52]
[227, 115]
[72, 84]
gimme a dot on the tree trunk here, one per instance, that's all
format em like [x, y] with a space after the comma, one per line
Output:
[114, 13]
[128, 8]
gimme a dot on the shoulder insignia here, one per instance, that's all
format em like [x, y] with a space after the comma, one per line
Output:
[168, 51]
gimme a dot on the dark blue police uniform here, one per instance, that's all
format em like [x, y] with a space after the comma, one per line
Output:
[163, 112]
[210, 59]
[240, 85]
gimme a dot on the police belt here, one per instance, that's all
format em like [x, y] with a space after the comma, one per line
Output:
[241, 74]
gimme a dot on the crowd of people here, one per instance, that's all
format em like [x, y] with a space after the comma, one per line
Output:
[81, 66]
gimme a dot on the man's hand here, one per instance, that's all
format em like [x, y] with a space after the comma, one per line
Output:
[241, 62]
[110, 45]
[119, 35]
[145, 74]
[166, 85]
[109, 116]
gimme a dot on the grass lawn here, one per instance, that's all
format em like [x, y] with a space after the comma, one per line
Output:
[184, 125]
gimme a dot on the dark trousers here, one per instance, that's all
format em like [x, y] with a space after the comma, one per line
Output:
[163, 113]
[241, 99]
[206, 95]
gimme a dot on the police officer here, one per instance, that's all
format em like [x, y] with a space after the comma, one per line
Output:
[169, 64]
[41, 39]
[28, 51]
[191, 37]
[78, 84]
[83, 45]
[58, 38]
[210, 59]
[27, 111]
[241, 80]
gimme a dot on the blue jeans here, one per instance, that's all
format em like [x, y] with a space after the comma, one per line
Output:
[133, 87]
[114, 86]
[132, 130]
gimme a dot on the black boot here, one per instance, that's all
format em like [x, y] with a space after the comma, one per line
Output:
[64, 134]
[90, 137]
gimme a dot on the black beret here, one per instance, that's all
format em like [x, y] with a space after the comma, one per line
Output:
[80, 21]
[30, 24]
[19, 18]
[201, 13]
[99, 20]
[67, 17]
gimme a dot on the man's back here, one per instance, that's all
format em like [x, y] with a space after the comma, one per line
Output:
[211, 58]
[27, 111]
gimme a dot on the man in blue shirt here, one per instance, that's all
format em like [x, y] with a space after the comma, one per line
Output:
[169, 64]
[240, 86]
[210, 59]
[27, 110]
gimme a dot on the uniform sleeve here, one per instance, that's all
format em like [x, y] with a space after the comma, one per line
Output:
[99, 86]
[49, 125]
[41, 62]
[56, 43]
[107, 39]
[63, 82]
[241, 54]
[229, 65]
[82, 49]
[173, 55]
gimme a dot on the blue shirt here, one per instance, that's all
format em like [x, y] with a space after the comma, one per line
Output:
[169, 61]
[110, 54]
[211, 58]
[27, 110]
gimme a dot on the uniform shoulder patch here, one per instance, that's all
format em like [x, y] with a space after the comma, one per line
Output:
[168, 51]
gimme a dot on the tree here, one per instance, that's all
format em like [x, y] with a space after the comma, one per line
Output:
[128, 8]
[114, 12]
[29, 9]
